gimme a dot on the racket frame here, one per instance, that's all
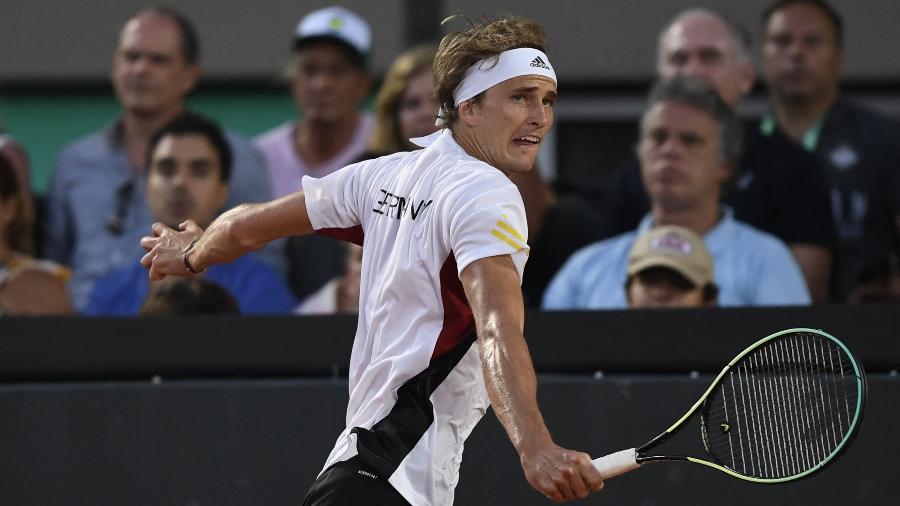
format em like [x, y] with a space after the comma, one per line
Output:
[641, 456]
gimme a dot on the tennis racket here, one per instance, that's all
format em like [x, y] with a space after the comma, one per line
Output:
[781, 410]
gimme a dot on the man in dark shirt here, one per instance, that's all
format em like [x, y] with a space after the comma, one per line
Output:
[777, 187]
[858, 149]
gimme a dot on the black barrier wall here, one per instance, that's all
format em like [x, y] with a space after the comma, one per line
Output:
[40, 349]
[190, 412]
[258, 442]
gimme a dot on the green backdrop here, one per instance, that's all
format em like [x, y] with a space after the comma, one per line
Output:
[44, 122]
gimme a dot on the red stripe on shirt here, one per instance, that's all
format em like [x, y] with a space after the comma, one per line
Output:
[458, 320]
[351, 234]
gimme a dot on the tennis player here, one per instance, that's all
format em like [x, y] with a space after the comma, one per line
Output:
[443, 230]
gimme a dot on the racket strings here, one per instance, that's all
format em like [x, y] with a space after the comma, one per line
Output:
[784, 408]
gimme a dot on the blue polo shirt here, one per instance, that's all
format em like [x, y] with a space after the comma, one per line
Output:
[257, 288]
[752, 268]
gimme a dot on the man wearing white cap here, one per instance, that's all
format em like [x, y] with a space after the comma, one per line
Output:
[329, 81]
[444, 236]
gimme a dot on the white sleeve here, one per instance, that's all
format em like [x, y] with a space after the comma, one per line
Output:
[491, 224]
[333, 201]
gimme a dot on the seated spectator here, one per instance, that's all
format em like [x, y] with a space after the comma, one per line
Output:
[329, 80]
[669, 266]
[188, 296]
[96, 213]
[27, 286]
[858, 148]
[188, 166]
[405, 106]
[341, 293]
[17, 157]
[690, 143]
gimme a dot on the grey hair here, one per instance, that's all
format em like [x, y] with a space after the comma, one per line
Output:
[740, 36]
[697, 93]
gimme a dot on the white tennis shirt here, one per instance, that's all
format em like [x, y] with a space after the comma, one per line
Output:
[416, 384]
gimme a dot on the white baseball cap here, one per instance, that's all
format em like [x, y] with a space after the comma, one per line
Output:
[336, 23]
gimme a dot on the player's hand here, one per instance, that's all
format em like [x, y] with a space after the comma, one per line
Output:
[560, 474]
[165, 247]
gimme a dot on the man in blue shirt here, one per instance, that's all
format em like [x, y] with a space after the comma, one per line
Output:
[186, 178]
[96, 211]
[690, 142]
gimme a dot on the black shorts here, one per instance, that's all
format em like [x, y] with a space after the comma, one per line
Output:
[351, 483]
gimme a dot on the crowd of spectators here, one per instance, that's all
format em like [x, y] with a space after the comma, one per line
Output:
[800, 207]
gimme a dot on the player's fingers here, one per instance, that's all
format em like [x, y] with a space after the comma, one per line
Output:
[592, 478]
[552, 493]
[148, 242]
[578, 485]
[147, 260]
[564, 487]
[567, 477]
[158, 229]
[190, 225]
[544, 484]
[155, 274]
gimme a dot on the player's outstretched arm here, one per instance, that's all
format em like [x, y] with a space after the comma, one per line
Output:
[492, 288]
[245, 228]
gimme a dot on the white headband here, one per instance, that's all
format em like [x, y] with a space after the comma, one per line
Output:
[493, 71]
[490, 72]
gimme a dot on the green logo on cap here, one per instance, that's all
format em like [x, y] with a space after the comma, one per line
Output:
[336, 23]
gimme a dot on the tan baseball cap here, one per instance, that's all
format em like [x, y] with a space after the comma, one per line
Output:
[676, 248]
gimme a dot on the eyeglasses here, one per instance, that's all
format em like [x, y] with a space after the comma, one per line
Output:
[115, 223]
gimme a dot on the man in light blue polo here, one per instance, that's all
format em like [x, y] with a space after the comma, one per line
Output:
[690, 141]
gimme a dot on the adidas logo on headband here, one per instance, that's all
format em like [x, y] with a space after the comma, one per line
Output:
[509, 64]
[539, 62]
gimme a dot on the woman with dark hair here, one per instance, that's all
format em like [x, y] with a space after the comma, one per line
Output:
[188, 297]
[27, 286]
[17, 158]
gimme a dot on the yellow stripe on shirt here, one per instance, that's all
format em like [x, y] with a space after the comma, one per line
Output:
[511, 230]
[500, 235]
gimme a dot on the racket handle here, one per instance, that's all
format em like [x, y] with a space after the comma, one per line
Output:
[617, 463]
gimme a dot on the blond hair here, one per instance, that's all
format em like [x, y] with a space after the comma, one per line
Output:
[412, 62]
[482, 40]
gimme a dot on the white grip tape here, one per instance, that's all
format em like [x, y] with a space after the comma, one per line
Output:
[617, 463]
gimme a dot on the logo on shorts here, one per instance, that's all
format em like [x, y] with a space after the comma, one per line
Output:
[539, 62]
[367, 474]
